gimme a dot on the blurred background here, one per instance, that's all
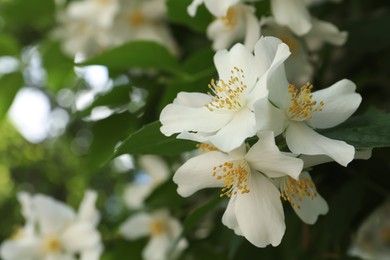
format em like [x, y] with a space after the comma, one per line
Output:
[60, 124]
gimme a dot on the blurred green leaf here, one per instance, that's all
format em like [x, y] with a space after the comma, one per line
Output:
[149, 140]
[8, 46]
[364, 131]
[177, 12]
[165, 195]
[58, 66]
[9, 86]
[137, 54]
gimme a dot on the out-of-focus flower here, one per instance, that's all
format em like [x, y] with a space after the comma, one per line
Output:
[217, 8]
[163, 231]
[54, 231]
[239, 22]
[296, 112]
[225, 118]
[157, 172]
[372, 240]
[255, 210]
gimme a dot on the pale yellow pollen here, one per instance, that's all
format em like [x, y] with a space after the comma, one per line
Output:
[156, 228]
[207, 148]
[230, 19]
[136, 18]
[227, 95]
[294, 191]
[302, 107]
[235, 175]
[52, 244]
[17, 234]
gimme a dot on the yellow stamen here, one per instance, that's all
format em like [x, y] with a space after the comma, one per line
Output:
[235, 175]
[294, 191]
[156, 228]
[302, 107]
[207, 147]
[52, 244]
[230, 19]
[227, 95]
[136, 18]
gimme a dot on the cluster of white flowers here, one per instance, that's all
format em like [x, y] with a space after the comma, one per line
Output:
[54, 231]
[253, 97]
[291, 22]
[91, 26]
[159, 225]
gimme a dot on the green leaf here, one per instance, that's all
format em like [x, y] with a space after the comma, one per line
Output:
[9, 86]
[137, 54]
[364, 131]
[149, 140]
[166, 196]
[177, 12]
[58, 66]
[8, 46]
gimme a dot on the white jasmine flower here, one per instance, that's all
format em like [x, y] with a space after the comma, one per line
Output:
[239, 22]
[143, 20]
[225, 117]
[157, 172]
[296, 112]
[217, 8]
[57, 231]
[255, 210]
[162, 229]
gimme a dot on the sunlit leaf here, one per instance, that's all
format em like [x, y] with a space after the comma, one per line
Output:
[9, 86]
[8, 46]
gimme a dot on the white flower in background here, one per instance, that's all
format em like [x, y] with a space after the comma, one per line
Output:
[299, 66]
[84, 26]
[54, 231]
[156, 171]
[296, 112]
[143, 20]
[239, 22]
[217, 8]
[255, 210]
[163, 231]
[224, 117]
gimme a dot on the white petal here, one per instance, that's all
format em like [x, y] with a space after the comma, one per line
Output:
[197, 173]
[238, 56]
[177, 118]
[136, 193]
[87, 210]
[155, 166]
[52, 215]
[312, 160]
[191, 9]
[23, 249]
[235, 132]
[293, 14]
[136, 226]
[219, 7]
[222, 35]
[309, 209]
[301, 139]
[27, 209]
[92, 254]
[157, 248]
[192, 99]
[323, 31]
[269, 117]
[340, 100]
[260, 213]
[80, 236]
[229, 217]
[265, 157]
[252, 33]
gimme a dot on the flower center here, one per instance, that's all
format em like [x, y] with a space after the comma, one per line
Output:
[227, 95]
[230, 19]
[293, 191]
[156, 228]
[52, 244]
[302, 107]
[136, 18]
[206, 147]
[235, 175]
